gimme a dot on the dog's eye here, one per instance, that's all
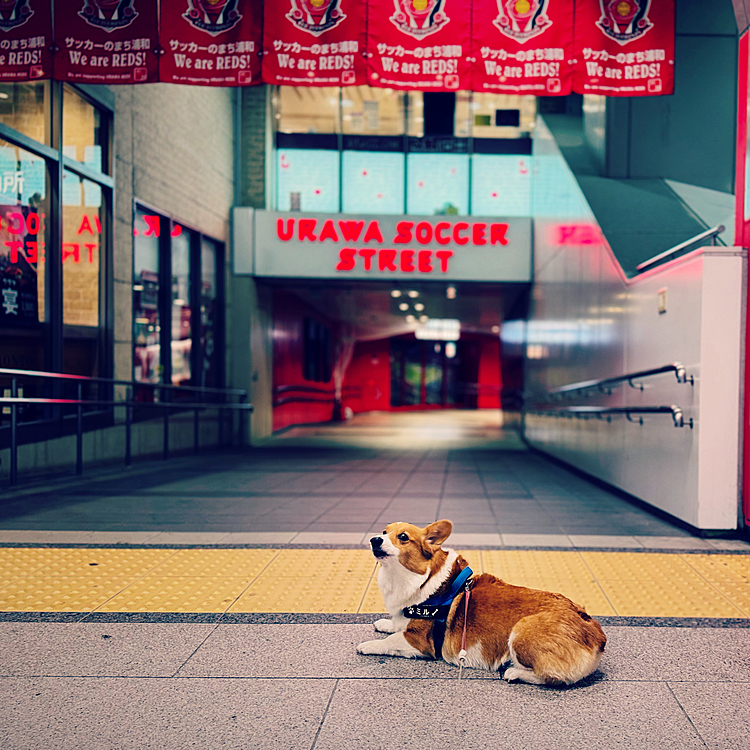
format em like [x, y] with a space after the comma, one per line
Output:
[403, 537]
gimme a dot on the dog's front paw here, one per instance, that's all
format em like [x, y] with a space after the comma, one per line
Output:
[384, 626]
[370, 647]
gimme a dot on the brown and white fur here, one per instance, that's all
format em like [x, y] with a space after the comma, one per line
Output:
[548, 639]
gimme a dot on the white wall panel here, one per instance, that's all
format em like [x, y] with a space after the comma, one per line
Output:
[588, 321]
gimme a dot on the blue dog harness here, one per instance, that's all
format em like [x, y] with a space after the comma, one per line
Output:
[437, 608]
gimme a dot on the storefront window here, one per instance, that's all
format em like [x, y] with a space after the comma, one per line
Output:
[502, 115]
[146, 323]
[24, 208]
[83, 134]
[25, 108]
[182, 331]
[210, 316]
[308, 180]
[371, 111]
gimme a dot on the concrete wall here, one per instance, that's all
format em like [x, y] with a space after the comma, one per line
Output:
[588, 321]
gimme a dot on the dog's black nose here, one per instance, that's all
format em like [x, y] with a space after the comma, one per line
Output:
[376, 542]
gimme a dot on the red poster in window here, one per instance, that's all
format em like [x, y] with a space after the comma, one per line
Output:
[523, 46]
[419, 44]
[25, 39]
[210, 42]
[624, 47]
[314, 42]
[106, 41]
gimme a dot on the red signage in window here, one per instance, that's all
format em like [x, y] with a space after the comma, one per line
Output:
[314, 42]
[523, 46]
[210, 42]
[25, 40]
[624, 47]
[419, 44]
[106, 41]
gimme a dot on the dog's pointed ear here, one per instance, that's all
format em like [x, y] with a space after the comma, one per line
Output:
[436, 533]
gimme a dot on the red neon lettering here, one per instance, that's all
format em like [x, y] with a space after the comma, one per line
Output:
[424, 260]
[91, 246]
[407, 261]
[33, 223]
[85, 226]
[403, 232]
[366, 254]
[346, 259]
[306, 229]
[350, 230]
[497, 234]
[444, 255]
[32, 252]
[15, 246]
[328, 232]
[19, 229]
[386, 260]
[462, 226]
[287, 235]
[439, 233]
[176, 229]
[373, 232]
[154, 226]
[477, 234]
[424, 232]
[98, 224]
[71, 250]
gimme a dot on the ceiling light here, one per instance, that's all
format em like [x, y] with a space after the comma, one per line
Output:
[495, 329]
[419, 307]
[413, 294]
[395, 293]
[410, 318]
[403, 306]
[439, 329]
[450, 292]
[424, 318]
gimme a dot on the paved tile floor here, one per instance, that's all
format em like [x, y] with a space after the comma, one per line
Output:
[134, 680]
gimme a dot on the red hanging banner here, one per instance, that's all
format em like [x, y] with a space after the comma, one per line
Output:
[314, 42]
[106, 41]
[523, 46]
[25, 40]
[419, 44]
[624, 47]
[210, 42]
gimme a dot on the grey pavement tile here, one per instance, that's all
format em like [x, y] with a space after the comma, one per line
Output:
[130, 714]
[187, 537]
[491, 713]
[312, 651]
[536, 540]
[604, 540]
[257, 537]
[474, 540]
[718, 711]
[729, 544]
[328, 537]
[683, 654]
[673, 542]
[97, 649]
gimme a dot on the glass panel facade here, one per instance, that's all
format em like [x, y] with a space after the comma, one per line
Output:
[372, 111]
[83, 135]
[24, 207]
[146, 323]
[502, 115]
[437, 184]
[210, 353]
[373, 182]
[501, 185]
[308, 110]
[308, 180]
[25, 108]
[182, 331]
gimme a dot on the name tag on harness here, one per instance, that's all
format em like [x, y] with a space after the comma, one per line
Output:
[422, 612]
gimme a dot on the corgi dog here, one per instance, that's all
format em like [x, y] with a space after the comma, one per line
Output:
[546, 638]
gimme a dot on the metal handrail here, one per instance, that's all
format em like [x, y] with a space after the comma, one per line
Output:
[712, 233]
[604, 384]
[14, 402]
[606, 411]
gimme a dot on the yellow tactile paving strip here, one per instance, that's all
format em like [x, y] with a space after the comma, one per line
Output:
[344, 581]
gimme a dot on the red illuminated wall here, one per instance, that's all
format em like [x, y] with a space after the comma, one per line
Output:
[289, 315]
[369, 374]
[490, 379]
